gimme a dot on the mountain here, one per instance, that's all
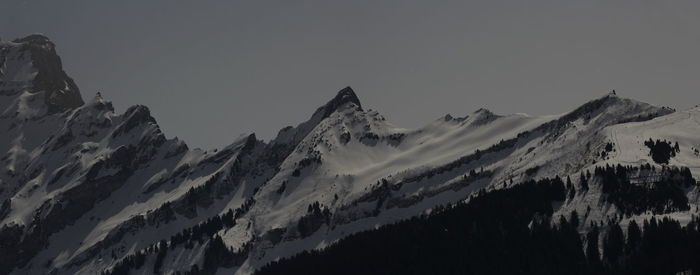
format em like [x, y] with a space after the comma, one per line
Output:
[87, 190]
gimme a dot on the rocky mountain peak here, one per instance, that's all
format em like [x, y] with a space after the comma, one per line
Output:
[31, 64]
[484, 112]
[343, 97]
[293, 135]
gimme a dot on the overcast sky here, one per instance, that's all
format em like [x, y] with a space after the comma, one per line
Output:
[212, 70]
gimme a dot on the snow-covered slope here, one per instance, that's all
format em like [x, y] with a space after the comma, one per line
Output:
[681, 127]
[75, 175]
[627, 144]
[85, 189]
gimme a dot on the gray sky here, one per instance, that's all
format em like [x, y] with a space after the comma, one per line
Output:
[211, 70]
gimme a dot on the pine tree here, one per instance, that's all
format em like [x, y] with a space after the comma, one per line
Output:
[584, 182]
[592, 253]
[574, 219]
[160, 256]
[613, 244]
[634, 236]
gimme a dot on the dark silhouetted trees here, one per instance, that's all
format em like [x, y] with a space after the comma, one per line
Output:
[507, 231]
[662, 151]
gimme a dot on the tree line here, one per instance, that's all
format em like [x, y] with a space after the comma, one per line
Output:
[509, 231]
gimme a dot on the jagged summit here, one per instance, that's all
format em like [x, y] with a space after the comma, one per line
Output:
[344, 96]
[484, 111]
[294, 134]
[100, 103]
[31, 64]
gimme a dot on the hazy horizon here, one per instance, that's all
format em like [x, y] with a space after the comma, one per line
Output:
[210, 72]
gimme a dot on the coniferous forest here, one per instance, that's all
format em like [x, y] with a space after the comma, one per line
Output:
[513, 231]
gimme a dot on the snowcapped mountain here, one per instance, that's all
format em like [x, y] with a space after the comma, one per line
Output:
[86, 190]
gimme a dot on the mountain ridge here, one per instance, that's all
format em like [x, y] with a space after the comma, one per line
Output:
[86, 190]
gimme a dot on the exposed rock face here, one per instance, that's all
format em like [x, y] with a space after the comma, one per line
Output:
[41, 73]
[344, 96]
